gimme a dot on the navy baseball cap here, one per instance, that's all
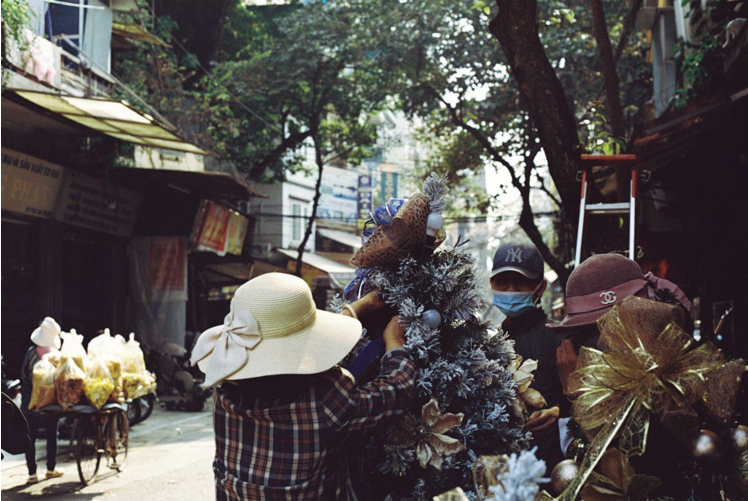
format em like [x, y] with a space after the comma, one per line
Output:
[522, 257]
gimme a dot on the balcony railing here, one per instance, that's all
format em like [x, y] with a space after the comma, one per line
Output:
[45, 63]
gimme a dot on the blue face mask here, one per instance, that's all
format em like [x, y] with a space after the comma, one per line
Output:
[514, 304]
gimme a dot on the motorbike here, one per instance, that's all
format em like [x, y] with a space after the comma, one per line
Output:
[11, 387]
[179, 384]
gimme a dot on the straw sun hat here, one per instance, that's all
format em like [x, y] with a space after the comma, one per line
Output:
[274, 328]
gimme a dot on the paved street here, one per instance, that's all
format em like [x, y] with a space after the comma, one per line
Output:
[169, 457]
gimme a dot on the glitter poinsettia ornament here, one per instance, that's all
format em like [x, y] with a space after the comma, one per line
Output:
[428, 435]
[522, 373]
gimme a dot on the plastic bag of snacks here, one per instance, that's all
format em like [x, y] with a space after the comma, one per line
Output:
[53, 357]
[147, 384]
[72, 347]
[42, 385]
[132, 357]
[99, 344]
[69, 383]
[99, 384]
[114, 366]
[133, 367]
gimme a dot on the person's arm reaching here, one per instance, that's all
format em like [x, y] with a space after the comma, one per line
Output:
[354, 410]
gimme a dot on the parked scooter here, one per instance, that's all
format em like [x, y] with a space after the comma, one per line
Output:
[179, 384]
[11, 387]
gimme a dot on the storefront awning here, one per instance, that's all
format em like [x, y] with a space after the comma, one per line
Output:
[342, 237]
[340, 274]
[206, 184]
[113, 118]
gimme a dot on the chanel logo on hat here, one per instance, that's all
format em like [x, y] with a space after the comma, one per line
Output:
[608, 297]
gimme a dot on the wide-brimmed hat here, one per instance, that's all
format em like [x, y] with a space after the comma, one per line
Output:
[274, 328]
[598, 284]
[47, 334]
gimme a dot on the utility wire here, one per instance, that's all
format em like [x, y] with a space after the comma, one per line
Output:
[212, 78]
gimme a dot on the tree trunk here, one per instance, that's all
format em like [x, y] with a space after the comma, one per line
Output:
[628, 27]
[315, 204]
[516, 29]
[527, 223]
[608, 69]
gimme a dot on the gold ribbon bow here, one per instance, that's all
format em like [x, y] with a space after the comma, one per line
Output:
[648, 366]
[229, 344]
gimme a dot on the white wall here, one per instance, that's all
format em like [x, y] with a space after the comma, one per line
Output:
[159, 158]
[297, 191]
[274, 222]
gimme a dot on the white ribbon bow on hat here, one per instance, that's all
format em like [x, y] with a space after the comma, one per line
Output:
[229, 344]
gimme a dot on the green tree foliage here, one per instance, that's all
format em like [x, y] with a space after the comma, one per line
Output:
[452, 76]
[158, 74]
[305, 74]
[15, 17]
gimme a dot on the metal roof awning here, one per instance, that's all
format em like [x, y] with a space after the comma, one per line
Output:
[113, 118]
[222, 274]
[208, 184]
[342, 237]
[339, 274]
[672, 136]
[137, 33]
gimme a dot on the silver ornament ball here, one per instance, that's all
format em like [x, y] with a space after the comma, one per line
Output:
[708, 448]
[737, 438]
[432, 318]
[563, 474]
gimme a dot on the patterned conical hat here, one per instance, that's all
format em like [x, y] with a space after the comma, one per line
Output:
[391, 243]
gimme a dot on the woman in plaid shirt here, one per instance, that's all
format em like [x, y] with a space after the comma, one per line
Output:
[289, 421]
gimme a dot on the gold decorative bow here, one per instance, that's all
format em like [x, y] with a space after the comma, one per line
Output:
[228, 344]
[428, 435]
[648, 365]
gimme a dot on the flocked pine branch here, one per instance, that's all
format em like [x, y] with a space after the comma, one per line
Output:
[435, 187]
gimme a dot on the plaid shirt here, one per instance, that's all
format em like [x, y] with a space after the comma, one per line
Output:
[302, 449]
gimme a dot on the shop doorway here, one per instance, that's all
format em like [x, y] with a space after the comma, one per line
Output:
[19, 279]
[87, 285]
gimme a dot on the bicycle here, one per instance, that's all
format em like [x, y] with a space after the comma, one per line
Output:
[101, 433]
[96, 434]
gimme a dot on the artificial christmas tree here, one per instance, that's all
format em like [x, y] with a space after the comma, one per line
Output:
[467, 393]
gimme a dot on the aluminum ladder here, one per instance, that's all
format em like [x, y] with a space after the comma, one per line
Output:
[589, 161]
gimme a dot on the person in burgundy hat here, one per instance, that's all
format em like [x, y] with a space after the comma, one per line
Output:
[518, 284]
[593, 288]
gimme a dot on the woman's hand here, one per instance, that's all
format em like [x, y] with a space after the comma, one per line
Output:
[541, 422]
[369, 303]
[393, 335]
[566, 360]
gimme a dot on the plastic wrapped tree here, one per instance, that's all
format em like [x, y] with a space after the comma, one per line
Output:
[470, 380]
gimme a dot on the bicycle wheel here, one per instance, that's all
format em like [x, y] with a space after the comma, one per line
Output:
[134, 411]
[87, 453]
[117, 431]
[147, 403]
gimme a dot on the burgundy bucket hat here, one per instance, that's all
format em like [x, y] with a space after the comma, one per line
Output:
[598, 284]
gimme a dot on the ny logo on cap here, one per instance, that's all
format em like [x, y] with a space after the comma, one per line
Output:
[608, 297]
[514, 255]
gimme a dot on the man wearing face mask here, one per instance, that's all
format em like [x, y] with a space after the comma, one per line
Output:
[518, 284]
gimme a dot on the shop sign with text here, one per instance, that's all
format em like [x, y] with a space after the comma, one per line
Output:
[29, 185]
